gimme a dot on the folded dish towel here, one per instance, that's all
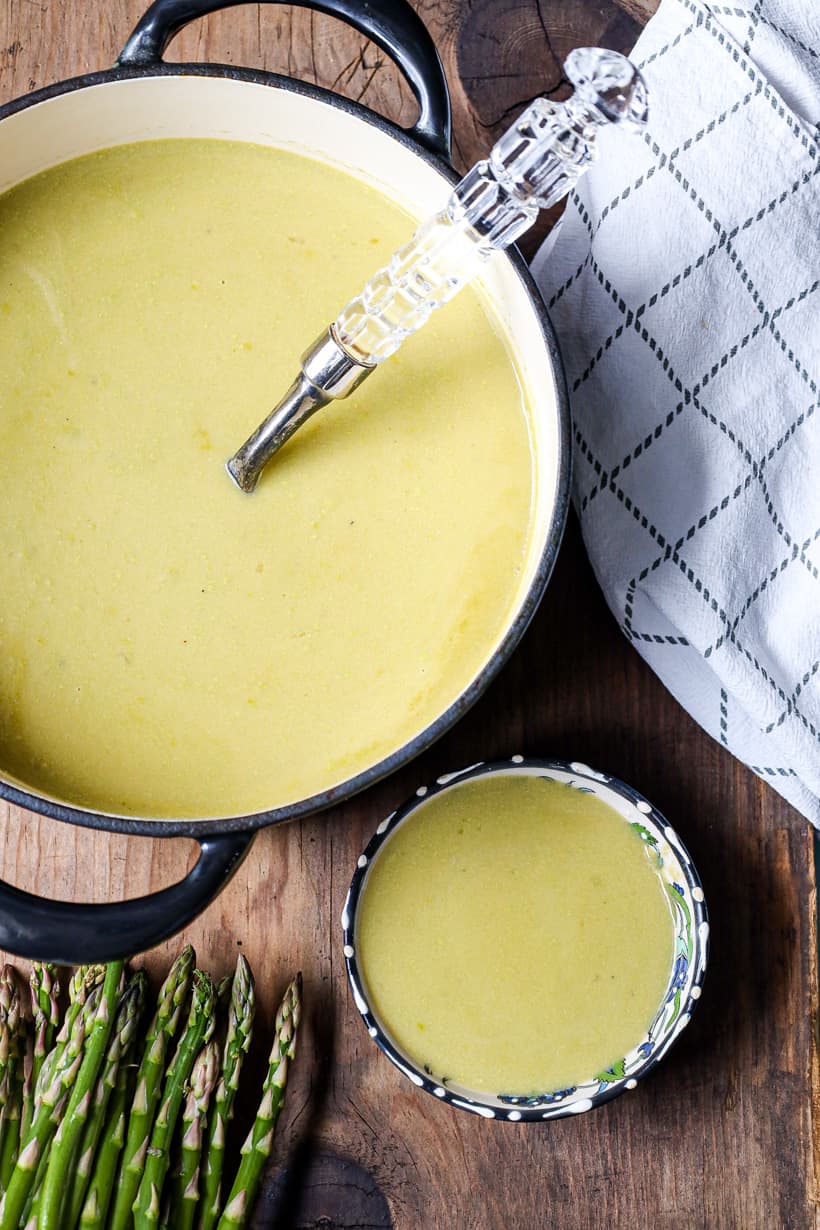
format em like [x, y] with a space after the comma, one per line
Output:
[683, 283]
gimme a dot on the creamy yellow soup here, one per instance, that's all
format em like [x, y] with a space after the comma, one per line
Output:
[513, 936]
[168, 645]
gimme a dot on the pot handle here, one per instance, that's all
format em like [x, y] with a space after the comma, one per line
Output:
[395, 27]
[70, 933]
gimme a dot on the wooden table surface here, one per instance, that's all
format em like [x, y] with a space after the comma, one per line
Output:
[721, 1135]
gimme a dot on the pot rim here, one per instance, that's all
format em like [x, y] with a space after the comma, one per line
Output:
[686, 975]
[210, 826]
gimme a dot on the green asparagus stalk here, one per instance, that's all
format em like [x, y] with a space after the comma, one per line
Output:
[11, 1136]
[257, 1148]
[10, 1017]
[92, 1217]
[12, 1053]
[12, 1114]
[45, 991]
[185, 1194]
[31, 1214]
[53, 1100]
[67, 1142]
[85, 981]
[106, 1163]
[198, 1031]
[9, 1014]
[172, 998]
[126, 1024]
[240, 1027]
[27, 1088]
[33, 1202]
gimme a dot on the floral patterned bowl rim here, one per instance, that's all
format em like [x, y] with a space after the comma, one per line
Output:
[683, 886]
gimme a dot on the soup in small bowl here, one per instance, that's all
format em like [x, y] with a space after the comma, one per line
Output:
[526, 939]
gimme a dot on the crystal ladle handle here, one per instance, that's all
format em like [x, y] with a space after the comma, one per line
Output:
[535, 163]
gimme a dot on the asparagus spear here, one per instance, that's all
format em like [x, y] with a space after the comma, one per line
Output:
[82, 986]
[84, 992]
[54, 1096]
[240, 1027]
[11, 1081]
[33, 1202]
[106, 1163]
[198, 1031]
[83, 981]
[194, 1118]
[70, 1132]
[257, 1148]
[13, 1109]
[11, 1134]
[31, 1214]
[9, 1011]
[129, 1011]
[9, 1025]
[92, 1217]
[172, 998]
[45, 991]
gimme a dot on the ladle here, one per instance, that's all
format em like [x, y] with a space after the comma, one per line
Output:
[533, 165]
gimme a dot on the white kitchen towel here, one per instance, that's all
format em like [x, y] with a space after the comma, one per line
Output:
[683, 283]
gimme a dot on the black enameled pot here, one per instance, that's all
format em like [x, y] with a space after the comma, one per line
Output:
[142, 97]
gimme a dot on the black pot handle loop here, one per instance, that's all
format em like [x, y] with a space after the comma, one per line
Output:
[392, 24]
[77, 934]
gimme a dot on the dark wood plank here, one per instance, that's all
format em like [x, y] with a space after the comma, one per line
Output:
[721, 1135]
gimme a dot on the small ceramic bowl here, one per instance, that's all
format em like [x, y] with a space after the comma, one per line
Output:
[682, 884]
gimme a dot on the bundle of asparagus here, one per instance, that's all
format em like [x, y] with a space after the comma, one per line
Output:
[104, 1125]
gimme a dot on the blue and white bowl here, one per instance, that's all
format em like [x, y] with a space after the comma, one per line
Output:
[682, 884]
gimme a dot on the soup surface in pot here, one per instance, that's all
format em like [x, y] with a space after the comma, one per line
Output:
[168, 645]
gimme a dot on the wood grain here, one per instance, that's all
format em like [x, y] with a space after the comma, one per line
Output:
[721, 1135]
